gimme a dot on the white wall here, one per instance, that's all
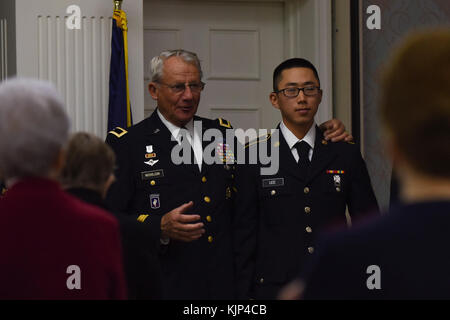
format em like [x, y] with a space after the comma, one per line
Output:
[77, 61]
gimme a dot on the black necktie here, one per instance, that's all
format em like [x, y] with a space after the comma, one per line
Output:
[303, 156]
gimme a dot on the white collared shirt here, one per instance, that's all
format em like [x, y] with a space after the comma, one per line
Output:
[291, 139]
[175, 131]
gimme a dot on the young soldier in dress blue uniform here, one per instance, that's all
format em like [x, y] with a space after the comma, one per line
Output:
[278, 216]
[404, 253]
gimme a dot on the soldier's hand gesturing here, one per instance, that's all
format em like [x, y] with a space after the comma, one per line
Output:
[179, 226]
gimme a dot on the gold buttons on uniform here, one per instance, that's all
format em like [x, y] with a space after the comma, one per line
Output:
[208, 218]
[153, 182]
[207, 199]
[307, 210]
[338, 189]
[203, 179]
[306, 190]
[232, 176]
[210, 239]
[308, 229]
[311, 250]
[273, 192]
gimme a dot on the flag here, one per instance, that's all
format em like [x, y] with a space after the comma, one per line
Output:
[119, 108]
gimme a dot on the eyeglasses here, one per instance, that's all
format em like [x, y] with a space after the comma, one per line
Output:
[181, 87]
[294, 92]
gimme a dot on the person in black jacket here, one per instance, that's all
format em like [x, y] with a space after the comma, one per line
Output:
[87, 175]
[404, 253]
[280, 209]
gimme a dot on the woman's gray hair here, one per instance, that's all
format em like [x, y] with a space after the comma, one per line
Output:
[156, 64]
[33, 128]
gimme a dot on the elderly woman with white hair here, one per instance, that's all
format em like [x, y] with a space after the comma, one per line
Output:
[52, 245]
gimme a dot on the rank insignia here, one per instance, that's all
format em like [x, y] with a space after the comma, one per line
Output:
[225, 123]
[150, 155]
[118, 132]
[154, 201]
[225, 153]
[151, 162]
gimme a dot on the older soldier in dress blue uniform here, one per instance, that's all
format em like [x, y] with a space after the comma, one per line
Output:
[279, 215]
[187, 206]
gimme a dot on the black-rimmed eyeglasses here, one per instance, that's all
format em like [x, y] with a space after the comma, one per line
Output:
[293, 92]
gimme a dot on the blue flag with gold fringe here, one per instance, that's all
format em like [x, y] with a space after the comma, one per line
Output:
[119, 108]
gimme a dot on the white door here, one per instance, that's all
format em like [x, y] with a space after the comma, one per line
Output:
[77, 60]
[239, 45]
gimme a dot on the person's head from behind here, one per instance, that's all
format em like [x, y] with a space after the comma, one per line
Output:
[176, 85]
[33, 129]
[296, 91]
[415, 105]
[89, 163]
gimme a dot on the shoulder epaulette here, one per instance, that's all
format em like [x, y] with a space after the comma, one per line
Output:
[224, 123]
[262, 138]
[118, 132]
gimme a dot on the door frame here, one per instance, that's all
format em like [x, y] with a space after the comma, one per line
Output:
[313, 15]
[316, 15]
[317, 46]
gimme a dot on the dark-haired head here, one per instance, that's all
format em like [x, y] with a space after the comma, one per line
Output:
[289, 64]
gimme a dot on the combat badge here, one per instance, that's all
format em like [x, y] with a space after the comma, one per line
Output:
[150, 155]
[151, 162]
